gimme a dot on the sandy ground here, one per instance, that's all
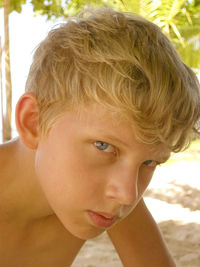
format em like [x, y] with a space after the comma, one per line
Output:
[173, 198]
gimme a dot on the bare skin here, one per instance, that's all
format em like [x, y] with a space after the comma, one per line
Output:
[48, 188]
[30, 235]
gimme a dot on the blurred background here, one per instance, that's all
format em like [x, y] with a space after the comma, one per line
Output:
[174, 194]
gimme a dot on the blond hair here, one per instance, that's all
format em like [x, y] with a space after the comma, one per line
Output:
[124, 62]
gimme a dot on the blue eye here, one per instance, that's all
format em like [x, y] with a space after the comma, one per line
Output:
[104, 146]
[151, 163]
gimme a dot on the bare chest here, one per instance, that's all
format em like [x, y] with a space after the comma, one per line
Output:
[46, 245]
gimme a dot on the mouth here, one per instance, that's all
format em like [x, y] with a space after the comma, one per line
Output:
[101, 219]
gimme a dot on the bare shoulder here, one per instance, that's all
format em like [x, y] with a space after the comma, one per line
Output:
[6, 166]
[6, 155]
[45, 241]
[24, 234]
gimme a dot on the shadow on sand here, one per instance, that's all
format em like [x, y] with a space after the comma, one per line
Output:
[184, 195]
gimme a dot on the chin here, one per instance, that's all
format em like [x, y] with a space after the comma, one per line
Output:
[82, 229]
[87, 234]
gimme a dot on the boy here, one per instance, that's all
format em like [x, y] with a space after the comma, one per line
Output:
[107, 99]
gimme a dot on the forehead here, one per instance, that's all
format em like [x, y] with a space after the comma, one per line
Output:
[97, 121]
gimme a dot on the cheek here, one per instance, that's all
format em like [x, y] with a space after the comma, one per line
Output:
[64, 175]
[145, 176]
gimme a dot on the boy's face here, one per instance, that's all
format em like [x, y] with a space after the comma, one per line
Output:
[92, 169]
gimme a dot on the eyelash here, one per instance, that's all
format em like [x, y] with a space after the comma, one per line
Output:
[156, 163]
[98, 143]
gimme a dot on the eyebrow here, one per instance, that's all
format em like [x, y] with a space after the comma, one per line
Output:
[162, 158]
[115, 139]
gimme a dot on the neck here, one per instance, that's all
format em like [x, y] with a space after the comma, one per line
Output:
[21, 196]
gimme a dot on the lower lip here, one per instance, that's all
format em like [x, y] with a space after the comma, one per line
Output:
[100, 220]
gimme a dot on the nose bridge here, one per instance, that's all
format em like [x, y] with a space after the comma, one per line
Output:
[122, 184]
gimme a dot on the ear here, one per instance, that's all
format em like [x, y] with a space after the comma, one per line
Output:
[27, 120]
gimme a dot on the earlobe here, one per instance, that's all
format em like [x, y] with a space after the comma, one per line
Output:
[27, 122]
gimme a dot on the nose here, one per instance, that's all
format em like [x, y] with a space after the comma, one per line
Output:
[122, 185]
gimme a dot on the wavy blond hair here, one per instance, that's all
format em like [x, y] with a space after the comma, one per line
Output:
[124, 62]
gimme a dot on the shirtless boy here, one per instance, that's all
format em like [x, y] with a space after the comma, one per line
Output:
[107, 99]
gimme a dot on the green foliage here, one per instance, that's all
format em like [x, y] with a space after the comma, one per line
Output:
[191, 154]
[195, 146]
[179, 20]
[51, 8]
[74, 7]
[14, 5]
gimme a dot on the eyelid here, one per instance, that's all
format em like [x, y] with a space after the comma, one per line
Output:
[152, 162]
[109, 145]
